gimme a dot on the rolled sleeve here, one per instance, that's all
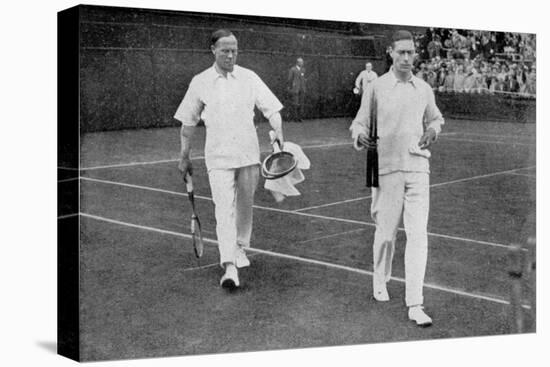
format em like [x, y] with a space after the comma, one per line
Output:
[433, 118]
[190, 108]
[265, 100]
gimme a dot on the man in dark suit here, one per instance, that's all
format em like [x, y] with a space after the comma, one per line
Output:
[297, 90]
[511, 83]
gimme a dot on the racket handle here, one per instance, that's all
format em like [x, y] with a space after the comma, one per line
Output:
[273, 136]
[189, 182]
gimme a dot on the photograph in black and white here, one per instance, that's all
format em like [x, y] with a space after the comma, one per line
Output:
[234, 183]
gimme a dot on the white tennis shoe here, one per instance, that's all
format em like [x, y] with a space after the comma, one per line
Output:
[417, 314]
[241, 260]
[380, 292]
[230, 279]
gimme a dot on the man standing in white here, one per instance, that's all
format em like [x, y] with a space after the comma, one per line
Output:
[408, 123]
[364, 78]
[224, 96]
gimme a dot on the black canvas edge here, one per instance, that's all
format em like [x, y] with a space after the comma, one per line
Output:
[68, 141]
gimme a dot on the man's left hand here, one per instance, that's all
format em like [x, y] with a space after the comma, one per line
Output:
[429, 137]
[279, 136]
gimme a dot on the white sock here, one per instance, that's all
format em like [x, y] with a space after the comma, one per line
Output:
[230, 266]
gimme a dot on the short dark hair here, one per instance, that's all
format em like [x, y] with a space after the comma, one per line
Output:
[401, 35]
[220, 33]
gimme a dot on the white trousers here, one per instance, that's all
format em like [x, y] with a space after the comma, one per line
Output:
[233, 194]
[403, 195]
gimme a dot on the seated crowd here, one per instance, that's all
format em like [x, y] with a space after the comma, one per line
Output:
[477, 61]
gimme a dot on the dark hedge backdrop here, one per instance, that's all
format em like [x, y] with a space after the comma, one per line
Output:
[136, 64]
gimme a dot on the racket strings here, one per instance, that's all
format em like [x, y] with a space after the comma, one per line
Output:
[280, 164]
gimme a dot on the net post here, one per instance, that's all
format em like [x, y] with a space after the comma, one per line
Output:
[515, 273]
[530, 275]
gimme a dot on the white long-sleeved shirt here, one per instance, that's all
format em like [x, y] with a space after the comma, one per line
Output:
[404, 110]
[226, 105]
[364, 78]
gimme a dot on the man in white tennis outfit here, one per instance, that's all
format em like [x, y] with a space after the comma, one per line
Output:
[364, 78]
[408, 123]
[224, 96]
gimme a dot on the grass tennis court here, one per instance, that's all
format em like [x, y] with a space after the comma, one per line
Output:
[143, 293]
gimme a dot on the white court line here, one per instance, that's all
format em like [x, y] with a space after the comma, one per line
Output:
[330, 145]
[211, 265]
[481, 176]
[68, 179]
[67, 216]
[331, 204]
[135, 164]
[490, 142]
[309, 215]
[433, 185]
[130, 164]
[305, 260]
[142, 187]
[495, 136]
[522, 174]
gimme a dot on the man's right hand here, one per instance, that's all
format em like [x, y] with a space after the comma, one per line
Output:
[364, 140]
[185, 166]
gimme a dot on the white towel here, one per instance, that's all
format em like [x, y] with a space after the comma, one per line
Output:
[282, 187]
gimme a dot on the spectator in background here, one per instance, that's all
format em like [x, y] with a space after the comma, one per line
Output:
[297, 89]
[449, 83]
[434, 47]
[510, 43]
[498, 39]
[431, 33]
[475, 45]
[511, 83]
[459, 41]
[501, 78]
[458, 85]
[479, 50]
[441, 75]
[422, 50]
[448, 48]
[528, 50]
[389, 60]
[431, 77]
[488, 47]
[520, 77]
[481, 81]
[364, 78]
[436, 62]
[421, 73]
[531, 81]
[493, 80]
[469, 80]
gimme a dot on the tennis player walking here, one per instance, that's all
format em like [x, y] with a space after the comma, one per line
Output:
[408, 123]
[224, 96]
